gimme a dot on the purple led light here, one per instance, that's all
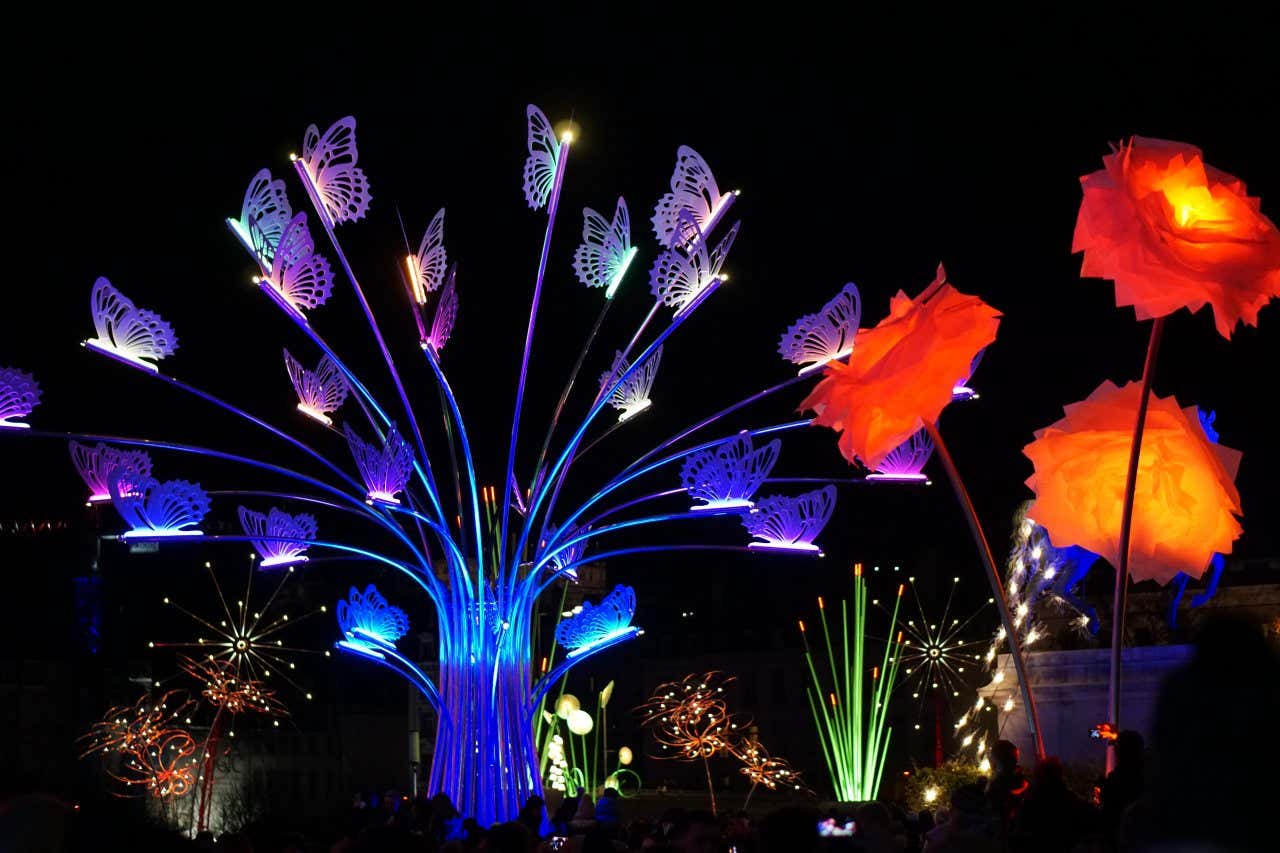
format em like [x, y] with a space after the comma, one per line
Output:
[300, 278]
[445, 314]
[94, 464]
[277, 523]
[679, 275]
[19, 394]
[695, 194]
[133, 336]
[330, 163]
[790, 523]
[816, 339]
[320, 391]
[385, 470]
[905, 463]
[728, 475]
[152, 508]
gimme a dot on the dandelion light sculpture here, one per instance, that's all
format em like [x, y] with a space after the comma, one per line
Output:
[481, 556]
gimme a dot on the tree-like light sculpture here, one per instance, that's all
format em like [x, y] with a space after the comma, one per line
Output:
[790, 524]
[727, 476]
[850, 718]
[482, 559]
[815, 340]
[95, 464]
[135, 336]
[906, 462]
[279, 538]
[19, 394]
[321, 391]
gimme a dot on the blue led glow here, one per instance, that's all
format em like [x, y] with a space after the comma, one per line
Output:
[594, 624]
[367, 616]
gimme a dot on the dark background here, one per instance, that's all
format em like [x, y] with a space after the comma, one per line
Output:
[865, 152]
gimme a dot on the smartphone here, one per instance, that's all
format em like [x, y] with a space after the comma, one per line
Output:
[557, 842]
[829, 828]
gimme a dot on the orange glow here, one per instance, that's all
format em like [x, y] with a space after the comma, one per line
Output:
[833, 699]
[415, 280]
[902, 372]
[1186, 500]
[899, 636]
[875, 673]
[801, 626]
[544, 663]
[820, 604]
[857, 570]
[901, 587]
[1173, 232]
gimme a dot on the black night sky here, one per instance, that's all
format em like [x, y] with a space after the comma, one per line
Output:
[853, 167]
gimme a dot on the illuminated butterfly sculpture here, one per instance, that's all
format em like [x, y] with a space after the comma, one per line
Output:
[263, 216]
[134, 336]
[481, 555]
[905, 463]
[386, 469]
[333, 177]
[681, 276]
[726, 477]
[606, 252]
[694, 193]
[790, 524]
[816, 339]
[320, 391]
[606, 622]
[299, 278]
[427, 268]
[630, 395]
[154, 509]
[367, 615]
[94, 464]
[19, 395]
[279, 538]
[961, 390]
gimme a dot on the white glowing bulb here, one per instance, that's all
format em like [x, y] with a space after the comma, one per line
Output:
[1008, 704]
[930, 794]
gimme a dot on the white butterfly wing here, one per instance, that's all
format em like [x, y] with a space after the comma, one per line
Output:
[331, 161]
[265, 212]
[302, 276]
[820, 337]
[594, 261]
[543, 160]
[446, 312]
[431, 259]
[108, 306]
[693, 191]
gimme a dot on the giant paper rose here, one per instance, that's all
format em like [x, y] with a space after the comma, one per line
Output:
[1174, 233]
[902, 372]
[1185, 503]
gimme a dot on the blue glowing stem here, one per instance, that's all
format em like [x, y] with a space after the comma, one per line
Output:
[644, 324]
[425, 472]
[628, 504]
[551, 552]
[554, 205]
[832, 481]
[535, 592]
[443, 381]
[629, 475]
[561, 464]
[717, 416]
[421, 578]
[191, 389]
[406, 669]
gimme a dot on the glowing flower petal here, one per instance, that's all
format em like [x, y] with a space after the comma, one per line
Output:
[1186, 504]
[1172, 233]
[903, 371]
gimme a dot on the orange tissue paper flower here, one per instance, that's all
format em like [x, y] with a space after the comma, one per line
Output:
[1185, 503]
[902, 372]
[1172, 233]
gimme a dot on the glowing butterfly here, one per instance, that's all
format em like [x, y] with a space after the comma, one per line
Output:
[726, 476]
[320, 391]
[790, 524]
[961, 390]
[906, 461]
[300, 278]
[593, 625]
[330, 161]
[275, 552]
[385, 470]
[367, 616]
[427, 270]
[96, 463]
[19, 394]
[152, 508]
[264, 213]
[445, 314]
[679, 277]
[694, 192]
[134, 336]
[606, 251]
[816, 339]
[565, 560]
[543, 162]
[632, 395]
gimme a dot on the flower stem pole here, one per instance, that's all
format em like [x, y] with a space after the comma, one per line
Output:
[710, 788]
[1126, 529]
[997, 587]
